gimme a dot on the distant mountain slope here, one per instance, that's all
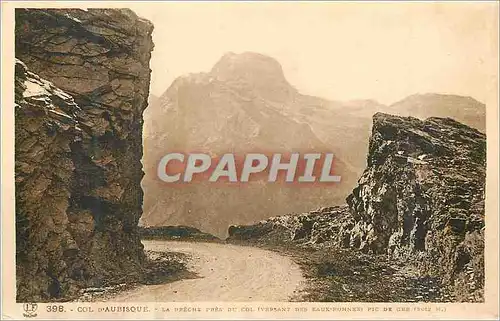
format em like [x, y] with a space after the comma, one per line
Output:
[464, 109]
[241, 106]
[245, 104]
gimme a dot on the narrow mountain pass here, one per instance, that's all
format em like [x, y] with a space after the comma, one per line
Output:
[226, 273]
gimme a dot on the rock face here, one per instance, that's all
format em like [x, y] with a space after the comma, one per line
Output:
[420, 200]
[422, 197]
[326, 225]
[81, 89]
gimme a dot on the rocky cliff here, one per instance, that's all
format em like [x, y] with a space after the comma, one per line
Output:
[422, 197]
[82, 82]
[420, 200]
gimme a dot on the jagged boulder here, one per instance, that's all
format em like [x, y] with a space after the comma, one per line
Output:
[178, 232]
[420, 200]
[78, 148]
[421, 197]
[325, 225]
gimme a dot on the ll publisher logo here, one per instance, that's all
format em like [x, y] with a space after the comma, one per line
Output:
[30, 310]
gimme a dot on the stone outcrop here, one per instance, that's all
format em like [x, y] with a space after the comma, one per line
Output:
[82, 82]
[420, 200]
[178, 232]
[326, 225]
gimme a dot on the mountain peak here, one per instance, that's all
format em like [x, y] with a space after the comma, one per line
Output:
[251, 69]
[250, 63]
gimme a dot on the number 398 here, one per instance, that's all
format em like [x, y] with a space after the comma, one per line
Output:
[55, 308]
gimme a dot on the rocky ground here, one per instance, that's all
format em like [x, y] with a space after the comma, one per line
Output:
[176, 233]
[349, 276]
[342, 275]
[332, 274]
[226, 273]
[160, 267]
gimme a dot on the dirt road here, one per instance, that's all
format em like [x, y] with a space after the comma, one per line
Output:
[226, 273]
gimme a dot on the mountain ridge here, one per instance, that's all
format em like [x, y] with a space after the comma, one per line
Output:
[245, 104]
[256, 69]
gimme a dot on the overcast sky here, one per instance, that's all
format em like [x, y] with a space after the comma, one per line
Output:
[341, 51]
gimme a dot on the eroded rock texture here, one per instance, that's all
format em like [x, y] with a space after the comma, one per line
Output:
[420, 200]
[326, 225]
[80, 94]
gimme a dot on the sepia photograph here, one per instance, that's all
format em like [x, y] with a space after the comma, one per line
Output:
[224, 160]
